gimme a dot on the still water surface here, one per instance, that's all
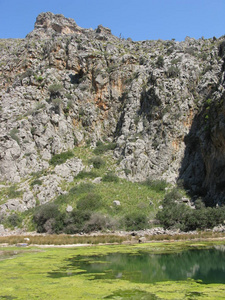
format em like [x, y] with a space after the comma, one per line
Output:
[205, 265]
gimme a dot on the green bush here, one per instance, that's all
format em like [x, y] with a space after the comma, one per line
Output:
[102, 148]
[179, 215]
[174, 194]
[173, 214]
[54, 89]
[173, 71]
[160, 62]
[69, 96]
[136, 220]
[59, 159]
[76, 221]
[98, 221]
[32, 130]
[57, 101]
[75, 141]
[13, 193]
[14, 136]
[97, 162]
[199, 204]
[36, 182]
[38, 78]
[48, 218]
[110, 177]
[156, 185]
[89, 202]
[14, 220]
[82, 188]
[27, 73]
[84, 174]
[127, 171]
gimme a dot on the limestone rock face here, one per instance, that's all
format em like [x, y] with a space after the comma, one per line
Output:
[161, 102]
[48, 24]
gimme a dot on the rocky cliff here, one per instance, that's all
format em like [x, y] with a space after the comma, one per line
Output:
[161, 102]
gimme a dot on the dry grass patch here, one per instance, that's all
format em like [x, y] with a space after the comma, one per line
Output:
[63, 239]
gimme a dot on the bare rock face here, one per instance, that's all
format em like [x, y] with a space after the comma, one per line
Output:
[103, 30]
[161, 102]
[48, 24]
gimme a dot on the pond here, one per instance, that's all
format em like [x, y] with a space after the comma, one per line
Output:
[204, 266]
[151, 271]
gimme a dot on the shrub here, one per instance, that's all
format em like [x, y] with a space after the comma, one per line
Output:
[48, 218]
[199, 204]
[14, 220]
[75, 141]
[76, 221]
[84, 174]
[38, 78]
[102, 148]
[156, 185]
[173, 71]
[54, 89]
[98, 221]
[127, 171]
[14, 136]
[82, 188]
[68, 96]
[97, 162]
[57, 101]
[49, 226]
[59, 159]
[160, 62]
[136, 220]
[171, 196]
[179, 215]
[89, 202]
[81, 112]
[32, 130]
[13, 193]
[222, 49]
[173, 214]
[36, 182]
[110, 177]
[27, 73]
[190, 51]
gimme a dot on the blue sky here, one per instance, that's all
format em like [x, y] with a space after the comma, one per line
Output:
[138, 19]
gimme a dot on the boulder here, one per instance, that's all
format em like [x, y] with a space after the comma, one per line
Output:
[69, 208]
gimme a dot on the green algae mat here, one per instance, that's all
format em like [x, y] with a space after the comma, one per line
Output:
[178, 270]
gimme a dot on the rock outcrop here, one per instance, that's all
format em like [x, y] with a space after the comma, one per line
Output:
[48, 25]
[161, 102]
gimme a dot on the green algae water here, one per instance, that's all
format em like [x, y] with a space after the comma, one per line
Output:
[206, 266]
[154, 271]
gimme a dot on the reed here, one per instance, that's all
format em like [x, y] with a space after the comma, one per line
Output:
[63, 239]
[187, 236]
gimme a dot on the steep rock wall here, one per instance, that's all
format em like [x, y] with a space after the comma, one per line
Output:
[63, 86]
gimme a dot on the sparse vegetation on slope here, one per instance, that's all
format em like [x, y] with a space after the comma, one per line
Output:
[109, 202]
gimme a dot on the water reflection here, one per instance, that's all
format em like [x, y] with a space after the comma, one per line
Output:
[205, 265]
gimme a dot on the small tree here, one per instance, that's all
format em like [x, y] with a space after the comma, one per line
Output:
[48, 218]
